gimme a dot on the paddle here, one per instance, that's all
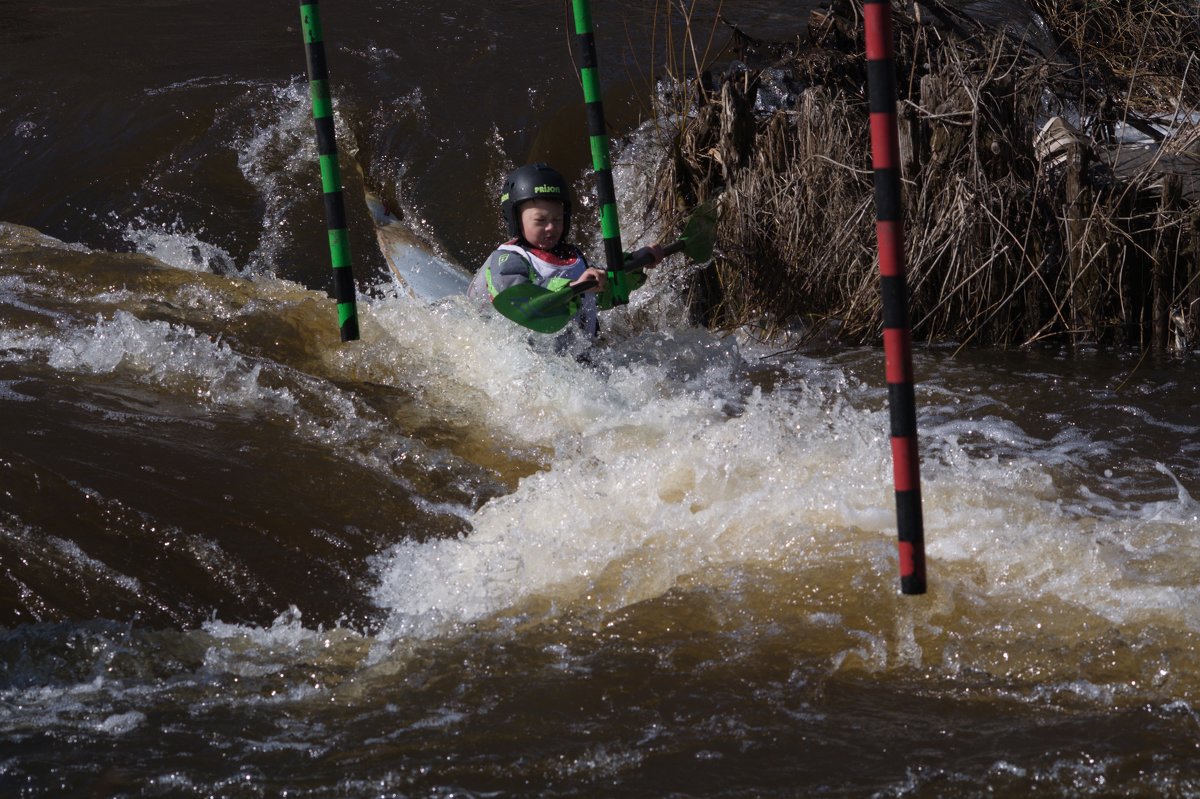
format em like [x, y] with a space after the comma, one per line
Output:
[547, 311]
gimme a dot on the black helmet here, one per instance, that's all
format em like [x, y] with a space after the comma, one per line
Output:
[534, 182]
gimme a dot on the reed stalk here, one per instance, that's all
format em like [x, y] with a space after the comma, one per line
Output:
[1031, 219]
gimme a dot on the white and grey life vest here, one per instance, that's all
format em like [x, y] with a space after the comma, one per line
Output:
[511, 264]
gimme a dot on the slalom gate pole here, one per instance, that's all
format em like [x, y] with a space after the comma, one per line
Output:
[897, 335]
[606, 194]
[331, 177]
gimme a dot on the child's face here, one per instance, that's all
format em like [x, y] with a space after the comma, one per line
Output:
[542, 223]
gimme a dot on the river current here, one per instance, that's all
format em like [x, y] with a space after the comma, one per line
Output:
[241, 558]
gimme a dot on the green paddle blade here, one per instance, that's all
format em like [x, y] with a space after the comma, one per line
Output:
[537, 308]
[700, 233]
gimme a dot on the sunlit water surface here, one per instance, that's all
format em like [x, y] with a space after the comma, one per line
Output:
[240, 558]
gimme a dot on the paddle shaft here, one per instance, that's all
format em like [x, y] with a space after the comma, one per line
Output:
[647, 258]
[636, 262]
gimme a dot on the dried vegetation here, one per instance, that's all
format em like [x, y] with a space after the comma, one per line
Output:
[1051, 161]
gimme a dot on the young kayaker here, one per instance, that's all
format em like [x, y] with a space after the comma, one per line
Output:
[535, 202]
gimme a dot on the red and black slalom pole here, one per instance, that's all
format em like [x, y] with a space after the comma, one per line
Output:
[331, 177]
[606, 195]
[897, 335]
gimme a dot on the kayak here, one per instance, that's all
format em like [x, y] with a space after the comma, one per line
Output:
[420, 274]
[423, 275]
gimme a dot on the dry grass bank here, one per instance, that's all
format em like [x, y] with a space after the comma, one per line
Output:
[1031, 214]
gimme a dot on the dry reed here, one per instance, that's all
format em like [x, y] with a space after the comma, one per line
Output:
[1029, 217]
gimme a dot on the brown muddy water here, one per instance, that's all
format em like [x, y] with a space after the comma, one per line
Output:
[239, 558]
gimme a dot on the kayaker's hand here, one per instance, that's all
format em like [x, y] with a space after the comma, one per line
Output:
[593, 274]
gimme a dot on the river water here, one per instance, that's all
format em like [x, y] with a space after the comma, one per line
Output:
[239, 558]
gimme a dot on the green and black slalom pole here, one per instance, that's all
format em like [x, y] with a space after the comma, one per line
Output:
[331, 176]
[606, 195]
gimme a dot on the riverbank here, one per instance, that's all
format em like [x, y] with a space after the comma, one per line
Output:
[1049, 155]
